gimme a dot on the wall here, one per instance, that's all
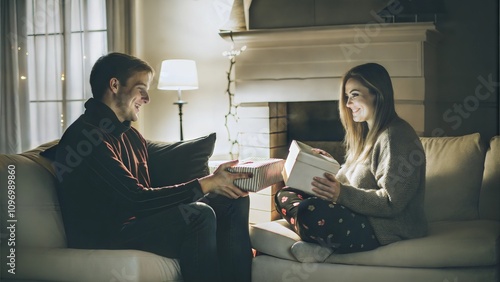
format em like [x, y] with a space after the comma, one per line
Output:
[185, 29]
[468, 50]
[189, 29]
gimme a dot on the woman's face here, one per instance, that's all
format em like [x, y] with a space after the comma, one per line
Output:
[360, 101]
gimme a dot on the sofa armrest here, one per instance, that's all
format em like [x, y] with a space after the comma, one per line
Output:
[92, 265]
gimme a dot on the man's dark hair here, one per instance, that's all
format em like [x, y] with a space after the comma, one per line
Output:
[118, 65]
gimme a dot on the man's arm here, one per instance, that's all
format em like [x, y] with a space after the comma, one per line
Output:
[94, 168]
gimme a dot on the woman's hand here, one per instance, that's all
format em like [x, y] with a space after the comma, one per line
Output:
[222, 181]
[326, 188]
[321, 152]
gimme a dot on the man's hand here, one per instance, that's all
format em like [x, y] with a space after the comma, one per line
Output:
[326, 188]
[222, 181]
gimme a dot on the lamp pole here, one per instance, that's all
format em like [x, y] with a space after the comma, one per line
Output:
[180, 103]
[178, 75]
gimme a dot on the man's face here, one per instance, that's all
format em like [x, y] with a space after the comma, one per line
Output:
[131, 97]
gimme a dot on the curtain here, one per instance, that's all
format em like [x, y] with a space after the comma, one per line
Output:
[121, 20]
[65, 38]
[45, 63]
[14, 118]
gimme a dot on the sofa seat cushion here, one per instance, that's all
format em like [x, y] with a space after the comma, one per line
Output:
[270, 269]
[449, 244]
[62, 264]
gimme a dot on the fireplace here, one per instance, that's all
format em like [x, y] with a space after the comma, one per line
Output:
[288, 82]
[300, 69]
[314, 121]
[267, 129]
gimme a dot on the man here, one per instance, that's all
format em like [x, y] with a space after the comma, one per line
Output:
[107, 200]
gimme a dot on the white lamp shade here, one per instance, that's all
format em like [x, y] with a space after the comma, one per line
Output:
[178, 75]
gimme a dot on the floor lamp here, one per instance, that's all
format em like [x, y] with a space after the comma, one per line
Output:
[178, 75]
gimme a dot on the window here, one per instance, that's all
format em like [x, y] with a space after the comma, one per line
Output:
[65, 38]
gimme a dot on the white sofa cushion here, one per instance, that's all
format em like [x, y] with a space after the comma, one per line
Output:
[454, 173]
[62, 264]
[37, 206]
[449, 244]
[271, 269]
[274, 238]
[489, 208]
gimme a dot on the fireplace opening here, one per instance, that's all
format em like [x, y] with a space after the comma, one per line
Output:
[314, 121]
[318, 124]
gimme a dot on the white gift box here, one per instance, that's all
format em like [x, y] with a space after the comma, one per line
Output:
[266, 172]
[302, 164]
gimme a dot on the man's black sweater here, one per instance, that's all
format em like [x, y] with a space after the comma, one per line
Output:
[103, 179]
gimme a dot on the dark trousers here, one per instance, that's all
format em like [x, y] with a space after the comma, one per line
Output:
[209, 237]
[328, 224]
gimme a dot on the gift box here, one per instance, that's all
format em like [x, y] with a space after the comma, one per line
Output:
[302, 164]
[266, 172]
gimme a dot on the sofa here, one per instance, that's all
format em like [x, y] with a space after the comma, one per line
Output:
[462, 204]
[33, 241]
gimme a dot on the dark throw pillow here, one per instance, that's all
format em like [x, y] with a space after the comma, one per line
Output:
[175, 163]
[49, 150]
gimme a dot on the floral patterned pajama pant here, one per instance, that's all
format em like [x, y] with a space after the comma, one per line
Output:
[328, 224]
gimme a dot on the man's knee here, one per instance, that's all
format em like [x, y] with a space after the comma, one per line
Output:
[198, 213]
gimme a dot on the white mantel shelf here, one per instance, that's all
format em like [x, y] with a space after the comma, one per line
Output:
[338, 34]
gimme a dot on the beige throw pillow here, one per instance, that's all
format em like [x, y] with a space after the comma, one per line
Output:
[453, 176]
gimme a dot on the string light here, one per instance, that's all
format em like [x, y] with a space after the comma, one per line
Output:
[232, 107]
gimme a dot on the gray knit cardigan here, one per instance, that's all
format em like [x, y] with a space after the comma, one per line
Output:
[389, 186]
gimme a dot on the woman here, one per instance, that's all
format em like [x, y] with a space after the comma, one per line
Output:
[377, 196]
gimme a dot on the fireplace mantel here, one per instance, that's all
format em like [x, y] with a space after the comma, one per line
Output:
[339, 34]
[307, 64]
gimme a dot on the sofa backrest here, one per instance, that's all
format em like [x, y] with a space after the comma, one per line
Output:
[454, 173]
[39, 222]
[489, 199]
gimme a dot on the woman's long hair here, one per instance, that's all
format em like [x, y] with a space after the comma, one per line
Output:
[359, 139]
